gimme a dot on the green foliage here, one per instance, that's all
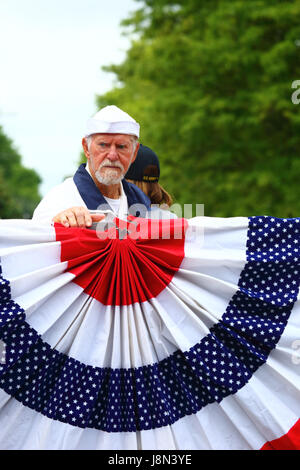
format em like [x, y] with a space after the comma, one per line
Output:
[210, 84]
[18, 185]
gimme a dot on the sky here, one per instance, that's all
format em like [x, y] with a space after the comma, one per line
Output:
[51, 54]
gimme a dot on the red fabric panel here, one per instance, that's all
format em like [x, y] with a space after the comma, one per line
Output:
[124, 271]
[289, 441]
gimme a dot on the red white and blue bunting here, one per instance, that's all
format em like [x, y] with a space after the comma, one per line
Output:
[183, 336]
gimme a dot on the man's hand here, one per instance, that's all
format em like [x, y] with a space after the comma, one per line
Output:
[77, 217]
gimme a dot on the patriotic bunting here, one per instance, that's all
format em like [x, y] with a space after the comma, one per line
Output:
[153, 334]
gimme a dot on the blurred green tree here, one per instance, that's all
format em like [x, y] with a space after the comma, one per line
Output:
[211, 85]
[19, 193]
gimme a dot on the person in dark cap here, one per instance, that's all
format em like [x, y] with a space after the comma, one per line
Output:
[144, 172]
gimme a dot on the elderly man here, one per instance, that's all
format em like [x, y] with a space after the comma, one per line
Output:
[110, 146]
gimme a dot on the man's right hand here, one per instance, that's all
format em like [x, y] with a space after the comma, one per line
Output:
[77, 217]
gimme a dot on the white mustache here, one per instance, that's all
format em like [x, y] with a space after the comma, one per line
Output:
[111, 164]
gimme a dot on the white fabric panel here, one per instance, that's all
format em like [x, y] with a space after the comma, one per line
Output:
[34, 271]
[25, 259]
[216, 242]
[44, 305]
[19, 232]
[25, 284]
[215, 255]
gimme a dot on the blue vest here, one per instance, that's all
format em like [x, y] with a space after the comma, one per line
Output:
[93, 197]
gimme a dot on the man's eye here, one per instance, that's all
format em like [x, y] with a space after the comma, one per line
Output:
[121, 146]
[102, 144]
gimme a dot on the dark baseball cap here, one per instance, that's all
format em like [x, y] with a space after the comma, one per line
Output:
[145, 167]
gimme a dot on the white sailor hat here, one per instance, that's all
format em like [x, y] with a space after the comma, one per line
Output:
[112, 120]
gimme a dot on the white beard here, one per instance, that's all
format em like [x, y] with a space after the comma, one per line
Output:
[111, 176]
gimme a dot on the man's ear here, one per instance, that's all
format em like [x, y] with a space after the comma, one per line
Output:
[135, 152]
[85, 148]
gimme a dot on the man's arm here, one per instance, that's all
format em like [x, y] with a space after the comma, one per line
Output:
[77, 217]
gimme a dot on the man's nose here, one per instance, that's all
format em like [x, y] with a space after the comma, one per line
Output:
[113, 154]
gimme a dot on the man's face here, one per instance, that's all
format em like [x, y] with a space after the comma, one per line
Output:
[110, 156]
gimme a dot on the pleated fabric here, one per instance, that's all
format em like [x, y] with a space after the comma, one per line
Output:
[161, 334]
